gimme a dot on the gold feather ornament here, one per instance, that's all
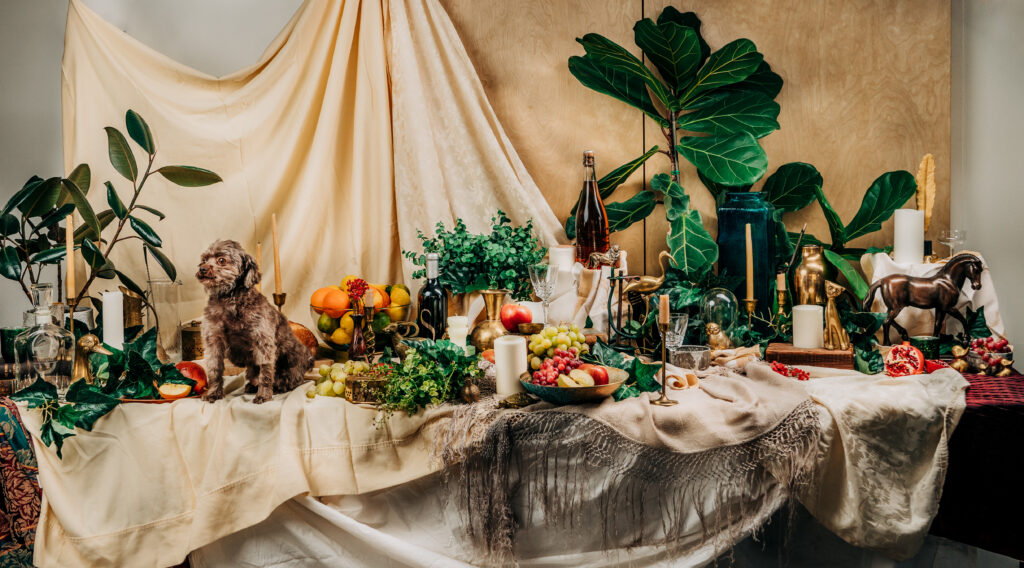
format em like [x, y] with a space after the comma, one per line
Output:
[926, 188]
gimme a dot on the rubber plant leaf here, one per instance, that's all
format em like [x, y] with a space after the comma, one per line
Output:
[887, 193]
[732, 112]
[21, 195]
[82, 206]
[115, 203]
[606, 52]
[55, 216]
[622, 86]
[139, 131]
[120, 153]
[672, 48]
[856, 281]
[152, 210]
[189, 176]
[145, 231]
[129, 283]
[9, 225]
[42, 198]
[50, 256]
[81, 176]
[608, 184]
[165, 263]
[792, 186]
[86, 232]
[10, 263]
[734, 62]
[623, 214]
[730, 160]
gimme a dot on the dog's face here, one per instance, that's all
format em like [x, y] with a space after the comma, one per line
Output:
[226, 267]
[712, 329]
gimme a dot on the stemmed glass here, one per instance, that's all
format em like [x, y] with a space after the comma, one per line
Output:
[543, 277]
[952, 238]
[676, 331]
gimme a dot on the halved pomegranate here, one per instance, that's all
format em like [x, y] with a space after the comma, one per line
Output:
[903, 360]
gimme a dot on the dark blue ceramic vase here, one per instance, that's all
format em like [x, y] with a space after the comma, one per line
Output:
[740, 208]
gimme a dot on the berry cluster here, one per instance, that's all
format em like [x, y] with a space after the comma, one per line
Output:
[562, 363]
[789, 371]
[992, 350]
[357, 288]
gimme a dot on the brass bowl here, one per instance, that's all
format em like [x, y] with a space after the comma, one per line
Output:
[367, 390]
[573, 395]
[530, 328]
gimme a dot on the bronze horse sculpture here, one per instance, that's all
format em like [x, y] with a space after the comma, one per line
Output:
[940, 292]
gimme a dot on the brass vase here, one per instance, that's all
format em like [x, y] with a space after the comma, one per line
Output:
[809, 279]
[484, 333]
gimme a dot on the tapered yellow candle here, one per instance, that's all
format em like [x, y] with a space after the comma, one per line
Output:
[259, 263]
[780, 282]
[277, 255]
[663, 309]
[750, 265]
[69, 257]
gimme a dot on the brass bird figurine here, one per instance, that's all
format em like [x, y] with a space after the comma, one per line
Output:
[647, 284]
[86, 345]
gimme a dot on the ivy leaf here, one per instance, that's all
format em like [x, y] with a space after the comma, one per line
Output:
[10, 263]
[90, 404]
[121, 156]
[793, 186]
[622, 86]
[856, 281]
[624, 213]
[644, 374]
[977, 326]
[38, 394]
[734, 62]
[145, 231]
[886, 194]
[82, 206]
[189, 176]
[602, 354]
[672, 48]
[732, 112]
[608, 184]
[165, 263]
[606, 52]
[139, 131]
[115, 203]
[730, 160]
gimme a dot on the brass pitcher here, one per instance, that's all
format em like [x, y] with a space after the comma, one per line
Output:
[484, 333]
[809, 280]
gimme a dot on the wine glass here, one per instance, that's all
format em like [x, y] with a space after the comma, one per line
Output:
[676, 331]
[543, 277]
[952, 238]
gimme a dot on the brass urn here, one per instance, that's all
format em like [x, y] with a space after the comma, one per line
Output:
[484, 333]
[809, 279]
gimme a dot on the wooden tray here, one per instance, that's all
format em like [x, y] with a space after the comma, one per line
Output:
[786, 353]
[156, 400]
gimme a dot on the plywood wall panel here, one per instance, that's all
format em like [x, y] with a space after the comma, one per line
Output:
[866, 91]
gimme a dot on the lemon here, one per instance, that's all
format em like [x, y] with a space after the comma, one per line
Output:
[399, 296]
[397, 313]
[326, 324]
[346, 280]
[339, 337]
[347, 324]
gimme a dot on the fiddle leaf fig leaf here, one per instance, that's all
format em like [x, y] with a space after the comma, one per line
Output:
[718, 190]
[612, 82]
[730, 160]
[732, 112]
[145, 231]
[139, 131]
[623, 214]
[10, 263]
[763, 80]
[856, 281]
[115, 203]
[691, 246]
[121, 156]
[165, 263]
[189, 176]
[672, 48]
[82, 206]
[606, 52]
[792, 187]
[886, 194]
[734, 62]
[835, 224]
[690, 20]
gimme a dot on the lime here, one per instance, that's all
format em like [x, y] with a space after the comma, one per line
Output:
[327, 324]
[380, 321]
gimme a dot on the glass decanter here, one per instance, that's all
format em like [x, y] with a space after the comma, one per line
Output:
[44, 351]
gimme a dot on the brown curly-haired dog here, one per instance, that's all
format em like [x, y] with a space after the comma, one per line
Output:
[240, 324]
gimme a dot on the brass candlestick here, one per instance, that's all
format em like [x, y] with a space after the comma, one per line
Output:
[72, 304]
[751, 304]
[664, 400]
[781, 295]
[279, 300]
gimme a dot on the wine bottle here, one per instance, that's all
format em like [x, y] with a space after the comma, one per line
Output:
[591, 217]
[432, 302]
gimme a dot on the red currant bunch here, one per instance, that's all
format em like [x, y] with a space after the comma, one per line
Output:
[790, 371]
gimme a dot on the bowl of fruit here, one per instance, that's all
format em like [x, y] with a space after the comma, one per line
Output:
[989, 352]
[564, 379]
[332, 308]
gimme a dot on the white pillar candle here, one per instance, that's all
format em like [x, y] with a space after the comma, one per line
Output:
[457, 335]
[113, 319]
[908, 236]
[510, 363]
[562, 256]
[808, 327]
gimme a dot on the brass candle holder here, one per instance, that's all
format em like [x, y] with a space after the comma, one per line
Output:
[664, 400]
[751, 305]
[781, 296]
[279, 300]
[72, 304]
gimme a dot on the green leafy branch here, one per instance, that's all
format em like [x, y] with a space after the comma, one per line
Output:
[433, 372]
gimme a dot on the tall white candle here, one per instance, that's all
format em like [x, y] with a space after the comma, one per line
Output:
[510, 363]
[808, 327]
[113, 319]
[908, 236]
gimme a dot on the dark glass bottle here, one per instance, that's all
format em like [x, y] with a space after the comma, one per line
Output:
[591, 218]
[432, 302]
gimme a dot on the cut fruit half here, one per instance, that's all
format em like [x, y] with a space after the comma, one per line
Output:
[174, 391]
[581, 378]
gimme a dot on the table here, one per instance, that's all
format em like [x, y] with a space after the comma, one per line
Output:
[983, 498]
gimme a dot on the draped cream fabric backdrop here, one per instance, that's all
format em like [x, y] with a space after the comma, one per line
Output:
[307, 133]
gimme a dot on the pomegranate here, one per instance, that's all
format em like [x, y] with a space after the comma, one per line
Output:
[903, 360]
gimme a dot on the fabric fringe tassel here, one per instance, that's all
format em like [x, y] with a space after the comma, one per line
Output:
[562, 461]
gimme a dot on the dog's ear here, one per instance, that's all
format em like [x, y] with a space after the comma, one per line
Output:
[250, 275]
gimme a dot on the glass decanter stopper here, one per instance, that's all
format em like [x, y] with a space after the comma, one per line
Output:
[44, 351]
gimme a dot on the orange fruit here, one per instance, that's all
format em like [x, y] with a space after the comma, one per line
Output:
[380, 297]
[174, 391]
[317, 299]
[335, 303]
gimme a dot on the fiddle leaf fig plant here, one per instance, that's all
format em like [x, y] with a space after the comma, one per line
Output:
[89, 238]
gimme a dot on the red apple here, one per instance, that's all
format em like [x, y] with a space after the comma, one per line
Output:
[513, 314]
[599, 373]
[195, 372]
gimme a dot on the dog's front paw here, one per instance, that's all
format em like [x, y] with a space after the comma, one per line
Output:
[260, 398]
[213, 395]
